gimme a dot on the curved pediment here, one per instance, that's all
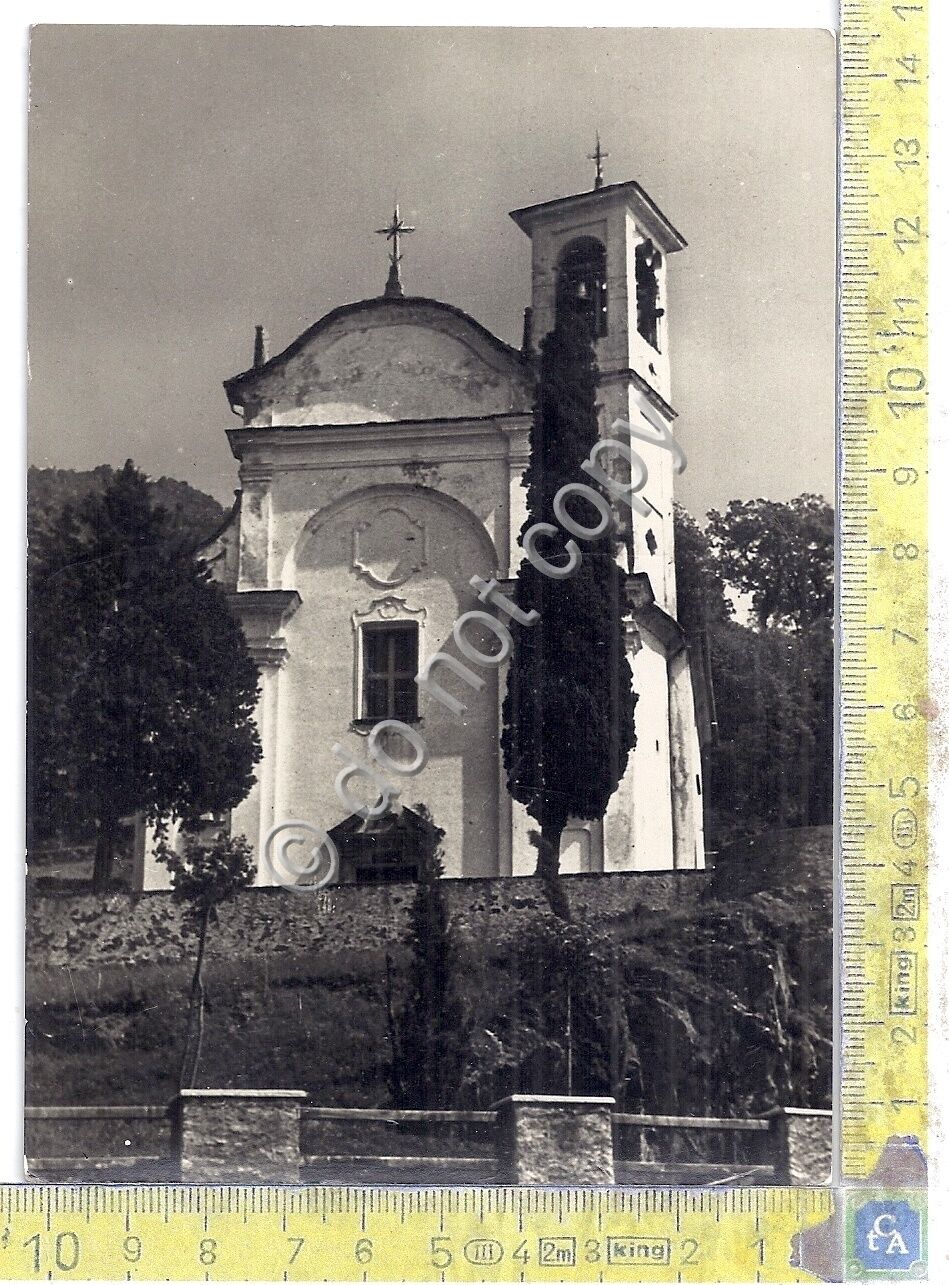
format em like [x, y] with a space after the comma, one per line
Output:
[385, 360]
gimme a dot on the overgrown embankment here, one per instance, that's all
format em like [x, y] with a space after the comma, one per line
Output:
[297, 990]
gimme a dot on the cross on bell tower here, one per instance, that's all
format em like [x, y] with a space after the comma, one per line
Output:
[396, 229]
[599, 156]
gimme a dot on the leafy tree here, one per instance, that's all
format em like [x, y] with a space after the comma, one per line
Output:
[204, 875]
[780, 554]
[547, 1012]
[141, 689]
[763, 728]
[568, 711]
[53, 656]
[700, 586]
[719, 1025]
[577, 1016]
[771, 762]
[789, 879]
[428, 1036]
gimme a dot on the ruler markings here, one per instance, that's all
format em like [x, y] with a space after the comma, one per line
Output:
[882, 251]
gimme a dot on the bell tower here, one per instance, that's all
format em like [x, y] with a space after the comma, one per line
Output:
[608, 249]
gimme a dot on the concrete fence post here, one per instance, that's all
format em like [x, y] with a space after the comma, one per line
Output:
[238, 1135]
[545, 1140]
[801, 1145]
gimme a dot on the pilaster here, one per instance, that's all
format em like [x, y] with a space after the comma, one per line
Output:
[263, 613]
[256, 534]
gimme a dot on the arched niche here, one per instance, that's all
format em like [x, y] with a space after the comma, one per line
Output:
[400, 510]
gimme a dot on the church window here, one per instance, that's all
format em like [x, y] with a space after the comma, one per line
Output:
[389, 666]
[581, 282]
[648, 312]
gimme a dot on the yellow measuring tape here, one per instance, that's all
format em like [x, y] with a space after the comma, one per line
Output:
[363, 1234]
[758, 1234]
[883, 516]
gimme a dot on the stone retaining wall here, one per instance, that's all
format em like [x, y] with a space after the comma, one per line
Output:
[84, 931]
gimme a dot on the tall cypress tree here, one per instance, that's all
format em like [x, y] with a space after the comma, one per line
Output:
[568, 711]
[430, 1034]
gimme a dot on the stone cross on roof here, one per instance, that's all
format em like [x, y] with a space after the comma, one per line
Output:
[396, 229]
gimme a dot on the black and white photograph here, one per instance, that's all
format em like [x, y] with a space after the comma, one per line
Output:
[430, 605]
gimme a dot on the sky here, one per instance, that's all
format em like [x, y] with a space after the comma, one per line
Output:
[187, 183]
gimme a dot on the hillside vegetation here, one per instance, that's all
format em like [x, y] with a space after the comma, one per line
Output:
[719, 1004]
[49, 490]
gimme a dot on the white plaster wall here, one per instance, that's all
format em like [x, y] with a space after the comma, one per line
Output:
[311, 448]
[622, 347]
[620, 350]
[651, 363]
[468, 472]
[636, 833]
[581, 850]
[148, 874]
[523, 852]
[256, 530]
[638, 822]
[478, 483]
[581, 846]
[317, 703]
[687, 811]
[474, 463]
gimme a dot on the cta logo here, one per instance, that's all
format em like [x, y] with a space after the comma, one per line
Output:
[887, 1236]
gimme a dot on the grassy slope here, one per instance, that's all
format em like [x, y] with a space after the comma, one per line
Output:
[113, 1034]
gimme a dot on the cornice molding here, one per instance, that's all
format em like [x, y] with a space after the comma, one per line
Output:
[262, 614]
[256, 472]
[389, 461]
[412, 309]
[390, 606]
[270, 655]
[630, 194]
[378, 433]
[645, 611]
[627, 374]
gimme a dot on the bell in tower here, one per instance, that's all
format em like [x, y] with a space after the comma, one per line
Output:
[607, 247]
[581, 282]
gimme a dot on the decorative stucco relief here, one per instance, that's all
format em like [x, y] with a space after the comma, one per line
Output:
[389, 547]
[389, 607]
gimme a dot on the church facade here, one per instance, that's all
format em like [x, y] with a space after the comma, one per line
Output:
[381, 459]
